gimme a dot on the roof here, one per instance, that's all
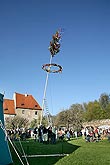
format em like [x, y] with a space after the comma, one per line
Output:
[26, 102]
[8, 106]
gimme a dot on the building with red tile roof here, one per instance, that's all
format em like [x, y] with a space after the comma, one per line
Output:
[9, 107]
[23, 105]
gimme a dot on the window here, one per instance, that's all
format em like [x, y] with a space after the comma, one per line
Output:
[6, 109]
[23, 111]
[35, 112]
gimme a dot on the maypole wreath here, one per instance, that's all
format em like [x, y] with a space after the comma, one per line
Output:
[50, 68]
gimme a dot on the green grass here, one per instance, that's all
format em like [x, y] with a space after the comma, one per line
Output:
[80, 153]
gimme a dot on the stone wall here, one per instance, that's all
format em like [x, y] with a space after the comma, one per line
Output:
[97, 123]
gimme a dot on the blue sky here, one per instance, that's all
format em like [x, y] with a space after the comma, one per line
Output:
[26, 28]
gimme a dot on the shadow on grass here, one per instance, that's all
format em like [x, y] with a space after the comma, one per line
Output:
[35, 148]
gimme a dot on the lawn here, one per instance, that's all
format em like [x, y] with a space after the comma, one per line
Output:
[79, 153]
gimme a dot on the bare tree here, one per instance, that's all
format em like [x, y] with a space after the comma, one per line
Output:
[16, 122]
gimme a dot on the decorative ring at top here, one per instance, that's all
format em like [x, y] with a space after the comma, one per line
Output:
[50, 68]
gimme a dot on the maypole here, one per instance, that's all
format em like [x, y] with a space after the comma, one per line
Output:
[44, 95]
[54, 48]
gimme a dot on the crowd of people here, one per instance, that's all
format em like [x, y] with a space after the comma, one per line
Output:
[43, 134]
[91, 134]
[51, 134]
[16, 134]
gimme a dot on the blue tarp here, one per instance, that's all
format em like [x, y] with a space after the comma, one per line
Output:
[5, 155]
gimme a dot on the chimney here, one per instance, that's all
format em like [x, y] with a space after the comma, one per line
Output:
[26, 95]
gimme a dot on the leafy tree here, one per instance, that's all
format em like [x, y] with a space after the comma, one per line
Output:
[108, 111]
[93, 111]
[104, 100]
